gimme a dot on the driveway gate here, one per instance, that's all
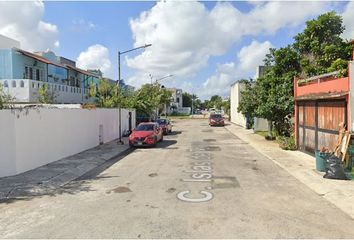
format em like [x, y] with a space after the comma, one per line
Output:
[318, 123]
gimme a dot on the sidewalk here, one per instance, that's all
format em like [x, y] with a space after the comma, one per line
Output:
[302, 167]
[49, 178]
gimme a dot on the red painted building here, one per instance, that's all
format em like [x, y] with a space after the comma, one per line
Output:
[322, 103]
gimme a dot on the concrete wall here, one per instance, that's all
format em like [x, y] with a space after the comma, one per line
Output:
[29, 91]
[29, 139]
[260, 124]
[235, 96]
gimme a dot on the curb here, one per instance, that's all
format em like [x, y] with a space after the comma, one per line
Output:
[51, 186]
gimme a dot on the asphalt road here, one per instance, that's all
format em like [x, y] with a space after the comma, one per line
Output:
[201, 182]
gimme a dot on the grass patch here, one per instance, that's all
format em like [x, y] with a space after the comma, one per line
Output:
[262, 133]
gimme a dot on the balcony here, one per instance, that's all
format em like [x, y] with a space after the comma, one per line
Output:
[26, 91]
[326, 84]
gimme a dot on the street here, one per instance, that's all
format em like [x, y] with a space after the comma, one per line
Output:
[200, 182]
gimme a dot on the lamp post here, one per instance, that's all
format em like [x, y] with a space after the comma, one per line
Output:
[119, 79]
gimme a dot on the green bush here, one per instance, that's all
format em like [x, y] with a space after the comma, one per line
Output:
[287, 143]
[175, 113]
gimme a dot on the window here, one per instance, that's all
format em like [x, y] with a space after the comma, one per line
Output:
[33, 85]
[6, 84]
[13, 84]
[38, 76]
[177, 99]
[26, 72]
[30, 73]
[22, 84]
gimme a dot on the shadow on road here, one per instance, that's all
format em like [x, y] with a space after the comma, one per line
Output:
[37, 189]
[174, 133]
[166, 144]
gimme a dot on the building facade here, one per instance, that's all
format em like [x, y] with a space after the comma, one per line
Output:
[235, 97]
[22, 74]
[259, 124]
[176, 103]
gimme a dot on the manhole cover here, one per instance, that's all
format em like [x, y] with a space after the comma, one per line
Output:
[209, 140]
[212, 148]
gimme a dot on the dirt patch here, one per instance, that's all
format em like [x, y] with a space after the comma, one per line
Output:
[209, 140]
[153, 175]
[120, 190]
[212, 148]
[225, 182]
[171, 190]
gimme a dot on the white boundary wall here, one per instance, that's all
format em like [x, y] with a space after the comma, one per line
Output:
[29, 139]
[235, 96]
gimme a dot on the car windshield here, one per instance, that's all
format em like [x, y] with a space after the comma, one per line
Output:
[162, 121]
[216, 116]
[145, 127]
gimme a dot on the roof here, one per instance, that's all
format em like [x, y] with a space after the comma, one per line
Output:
[81, 71]
[38, 58]
[315, 96]
[44, 60]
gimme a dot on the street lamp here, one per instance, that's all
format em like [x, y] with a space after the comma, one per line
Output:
[119, 79]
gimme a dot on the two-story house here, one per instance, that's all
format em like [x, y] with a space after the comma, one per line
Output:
[22, 73]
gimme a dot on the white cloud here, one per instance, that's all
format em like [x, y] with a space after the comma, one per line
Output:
[82, 25]
[248, 58]
[252, 55]
[184, 35]
[23, 22]
[348, 20]
[95, 57]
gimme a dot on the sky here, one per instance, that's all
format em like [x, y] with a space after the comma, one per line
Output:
[205, 46]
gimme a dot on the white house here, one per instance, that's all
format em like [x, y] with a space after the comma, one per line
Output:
[260, 124]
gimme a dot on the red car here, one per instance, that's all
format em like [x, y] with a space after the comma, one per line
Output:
[216, 120]
[165, 125]
[146, 134]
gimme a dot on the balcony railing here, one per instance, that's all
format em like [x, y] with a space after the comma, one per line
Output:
[26, 90]
[325, 83]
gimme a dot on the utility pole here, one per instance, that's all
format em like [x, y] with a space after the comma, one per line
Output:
[119, 90]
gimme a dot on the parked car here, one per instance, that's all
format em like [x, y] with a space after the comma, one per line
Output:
[146, 134]
[165, 124]
[216, 120]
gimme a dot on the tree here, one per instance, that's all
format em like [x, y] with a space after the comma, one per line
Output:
[149, 98]
[106, 95]
[5, 98]
[45, 95]
[215, 102]
[187, 99]
[321, 47]
[248, 99]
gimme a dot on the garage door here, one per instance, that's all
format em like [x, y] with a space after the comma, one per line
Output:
[319, 123]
